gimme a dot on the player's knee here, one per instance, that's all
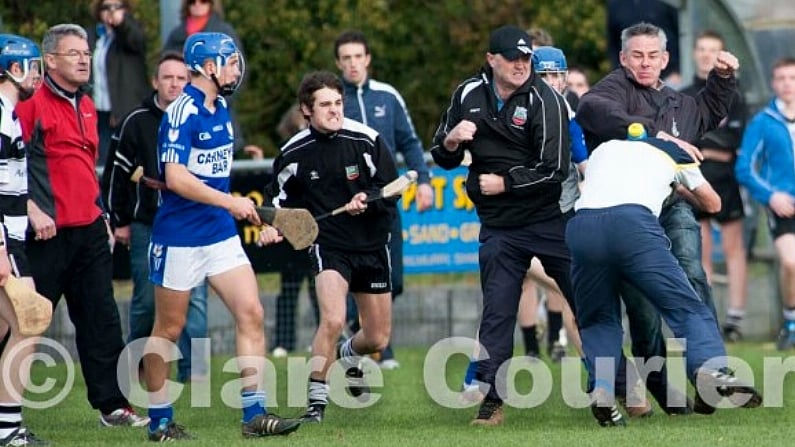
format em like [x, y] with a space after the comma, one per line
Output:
[333, 326]
[788, 265]
[252, 315]
[378, 340]
[168, 327]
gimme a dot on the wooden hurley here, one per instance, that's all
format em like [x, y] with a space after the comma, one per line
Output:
[391, 189]
[296, 224]
[34, 311]
[138, 177]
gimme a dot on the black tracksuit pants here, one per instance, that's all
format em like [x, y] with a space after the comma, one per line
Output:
[505, 255]
[77, 264]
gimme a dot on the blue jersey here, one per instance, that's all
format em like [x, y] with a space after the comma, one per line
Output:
[202, 141]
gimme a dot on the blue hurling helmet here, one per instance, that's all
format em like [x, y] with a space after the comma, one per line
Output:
[549, 60]
[218, 47]
[17, 49]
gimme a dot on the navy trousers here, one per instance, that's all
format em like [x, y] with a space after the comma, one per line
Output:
[627, 243]
[505, 255]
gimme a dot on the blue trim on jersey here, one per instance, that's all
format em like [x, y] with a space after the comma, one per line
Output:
[678, 154]
[193, 136]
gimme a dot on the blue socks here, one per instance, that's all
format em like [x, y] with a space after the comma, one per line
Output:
[253, 404]
[156, 413]
[472, 369]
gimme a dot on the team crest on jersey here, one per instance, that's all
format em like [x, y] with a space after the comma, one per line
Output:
[173, 134]
[519, 116]
[352, 172]
[313, 175]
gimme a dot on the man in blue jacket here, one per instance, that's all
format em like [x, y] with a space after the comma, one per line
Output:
[380, 106]
[765, 166]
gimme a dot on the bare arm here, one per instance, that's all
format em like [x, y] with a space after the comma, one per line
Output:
[180, 181]
[704, 197]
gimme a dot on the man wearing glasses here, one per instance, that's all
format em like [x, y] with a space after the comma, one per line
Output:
[68, 243]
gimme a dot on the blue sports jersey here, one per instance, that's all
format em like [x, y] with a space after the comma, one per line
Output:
[203, 141]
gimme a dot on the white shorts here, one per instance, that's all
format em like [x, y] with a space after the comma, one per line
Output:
[183, 268]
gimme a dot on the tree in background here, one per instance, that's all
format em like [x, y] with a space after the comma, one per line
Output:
[423, 48]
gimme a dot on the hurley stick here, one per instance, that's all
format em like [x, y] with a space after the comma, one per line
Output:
[34, 311]
[391, 189]
[296, 224]
[139, 177]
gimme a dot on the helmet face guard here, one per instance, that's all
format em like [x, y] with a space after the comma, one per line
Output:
[550, 63]
[19, 50]
[221, 49]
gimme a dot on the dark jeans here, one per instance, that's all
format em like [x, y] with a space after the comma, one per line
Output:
[77, 264]
[104, 131]
[645, 326]
[142, 306]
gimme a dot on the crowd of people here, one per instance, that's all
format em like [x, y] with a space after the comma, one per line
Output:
[530, 129]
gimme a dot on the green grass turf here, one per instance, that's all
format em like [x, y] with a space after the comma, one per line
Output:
[406, 415]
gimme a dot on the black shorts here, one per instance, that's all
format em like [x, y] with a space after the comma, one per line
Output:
[366, 272]
[720, 175]
[779, 226]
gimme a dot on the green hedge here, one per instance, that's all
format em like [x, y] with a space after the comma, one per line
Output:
[423, 48]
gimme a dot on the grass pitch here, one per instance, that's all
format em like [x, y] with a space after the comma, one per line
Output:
[406, 415]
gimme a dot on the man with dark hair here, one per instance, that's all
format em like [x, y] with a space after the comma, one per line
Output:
[380, 106]
[68, 240]
[635, 93]
[515, 126]
[132, 207]
[339, 161]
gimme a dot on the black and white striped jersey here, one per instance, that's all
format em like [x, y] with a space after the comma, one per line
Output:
[13, 173]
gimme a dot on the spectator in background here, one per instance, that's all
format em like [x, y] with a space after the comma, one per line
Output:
[119, 70]
[297, 269]
[719, 148]
[68, 241]
[765, 166]
[199, 16]
[380, 106]
[577, 82]
[132, 208]
[624, 13]
[208, 16]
